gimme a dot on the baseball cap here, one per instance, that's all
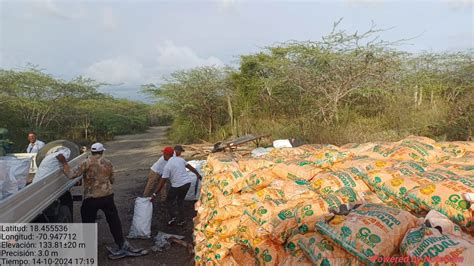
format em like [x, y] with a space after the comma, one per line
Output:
[97, 147]
[168, 151]
[178, 148]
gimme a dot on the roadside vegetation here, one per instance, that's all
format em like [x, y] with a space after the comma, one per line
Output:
[347, 87]
[344, 88]
[58, 109]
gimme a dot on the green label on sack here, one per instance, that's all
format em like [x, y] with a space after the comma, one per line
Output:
[455, 202]
[385, 217]
[285, 214]
[433, 246]
[366, 236]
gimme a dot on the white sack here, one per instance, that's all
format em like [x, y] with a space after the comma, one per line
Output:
[13, 175]
[258, 152]
[142, 215]
[198, 166]
[437, 219]
[282, 143]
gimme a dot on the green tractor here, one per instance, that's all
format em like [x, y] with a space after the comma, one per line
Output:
[5, 143]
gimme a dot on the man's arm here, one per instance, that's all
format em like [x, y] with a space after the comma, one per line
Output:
[192, 169]
[166, 174]
[151, 179]
[160, 186]
[111, 175]
[67, 169]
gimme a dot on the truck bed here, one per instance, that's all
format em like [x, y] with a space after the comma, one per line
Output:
[29, 202]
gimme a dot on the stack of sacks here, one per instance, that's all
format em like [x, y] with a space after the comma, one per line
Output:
[419, 174]
[276, 209]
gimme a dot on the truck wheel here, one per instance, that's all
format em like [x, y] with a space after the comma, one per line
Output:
[54, 144]
[64, 215]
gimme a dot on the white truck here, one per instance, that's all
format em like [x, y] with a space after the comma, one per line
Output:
[48, 200]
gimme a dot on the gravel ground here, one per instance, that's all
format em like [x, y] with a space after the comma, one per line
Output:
[132, 156]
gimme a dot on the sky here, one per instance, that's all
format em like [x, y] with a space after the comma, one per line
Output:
[127, 43]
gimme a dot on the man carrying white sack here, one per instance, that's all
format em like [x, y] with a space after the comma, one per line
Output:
[156, 170]
[50, 163]
[175, 171]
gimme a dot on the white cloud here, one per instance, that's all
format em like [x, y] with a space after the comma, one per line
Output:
[466, 5]
[224, 5]
[364, 2]
[118, 70]
[171, 56]
[131, 71]
[109, 20]
[74, 10]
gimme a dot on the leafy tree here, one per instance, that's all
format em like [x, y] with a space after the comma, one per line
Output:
[72, 109]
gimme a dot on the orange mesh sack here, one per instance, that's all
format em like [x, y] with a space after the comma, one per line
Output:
[252, 164]
[221, 162]
[421, 150]
[226, 212]
[310, 212]
[358, 148]
[412, 148]
[456, 149]
[303, 217]
[319, 250]
[293, 190]
[269, 253]
[376, 178]
[283, 153]
[326, 158]
[466, 160]
[398, 188]
[258, 179]
[248, 232]
[229, 182]
[430, 245]
[267, 193]
[212, 251]
[446, 197]
[263, 212]
[328, 182]
[300, 219]
[369, 230]
[229, 260]
[242, 254]
[296, 258]
[363, 164]
[223, 229]
[299, 171]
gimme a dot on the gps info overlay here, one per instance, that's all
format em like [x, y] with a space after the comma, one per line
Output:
[46, 244]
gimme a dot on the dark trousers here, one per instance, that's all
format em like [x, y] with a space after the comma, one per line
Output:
[89, 209]
[178, 194]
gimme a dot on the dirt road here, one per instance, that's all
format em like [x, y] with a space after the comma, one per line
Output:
[132, 156]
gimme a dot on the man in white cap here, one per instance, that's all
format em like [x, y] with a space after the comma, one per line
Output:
[98, 192]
